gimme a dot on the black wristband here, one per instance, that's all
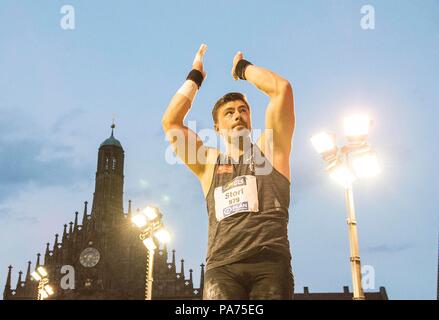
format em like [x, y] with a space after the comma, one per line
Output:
[240, 68]
[196, 76]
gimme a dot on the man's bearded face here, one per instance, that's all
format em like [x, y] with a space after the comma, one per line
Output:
[234, 120]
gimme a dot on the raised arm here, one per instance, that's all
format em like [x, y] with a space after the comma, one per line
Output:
[279, 116]
[185, 142]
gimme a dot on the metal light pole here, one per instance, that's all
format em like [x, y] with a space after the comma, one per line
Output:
[353, 241]
[41, 285]
[149, 267]
[355, 160]
[149, 221]
[149, 279]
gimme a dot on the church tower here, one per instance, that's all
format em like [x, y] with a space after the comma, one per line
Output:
[108, 196]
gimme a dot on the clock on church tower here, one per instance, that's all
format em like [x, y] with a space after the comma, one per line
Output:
[89, 257]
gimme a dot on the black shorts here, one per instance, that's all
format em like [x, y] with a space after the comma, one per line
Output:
[265, 276]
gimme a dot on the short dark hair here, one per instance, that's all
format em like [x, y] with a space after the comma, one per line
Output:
[228, 97]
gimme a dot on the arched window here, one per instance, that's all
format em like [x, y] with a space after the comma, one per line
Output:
[106, 163]
[114, 164]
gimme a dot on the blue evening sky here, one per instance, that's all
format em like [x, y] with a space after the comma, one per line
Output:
[59, 90]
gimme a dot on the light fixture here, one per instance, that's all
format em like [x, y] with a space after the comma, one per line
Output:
[162, 235]
[341, 174]
[44, 294]
[151, 213]
[324, 142]
[48, 289]
[149, 244]
[356, 127]
[139, 220]
[366, 165]
[42, 271]
[36, 276]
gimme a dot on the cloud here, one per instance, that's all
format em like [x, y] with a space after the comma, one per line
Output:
[8, 216]
[388, 248]
[28, 161]
[17, 218]
[29, 156]
[67, 118]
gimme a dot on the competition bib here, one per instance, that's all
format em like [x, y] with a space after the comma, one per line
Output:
[238, 195]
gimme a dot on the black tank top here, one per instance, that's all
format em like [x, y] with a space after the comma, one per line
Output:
[247, 233]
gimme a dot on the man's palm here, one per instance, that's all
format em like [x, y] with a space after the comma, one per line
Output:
[238, 56]
[198, 60]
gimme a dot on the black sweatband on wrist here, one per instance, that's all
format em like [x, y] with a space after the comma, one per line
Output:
[240, 68]
[196, 76]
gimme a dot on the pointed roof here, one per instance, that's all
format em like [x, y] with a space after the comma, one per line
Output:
[55, 244]
[64, 234]
[129, 208]
[19, 281]
[27, 278]
[202, 276]
[76, 219]
[111, 141]
[8, 279]
[173, 259]
[182, 267]
[7, 290]
[84, 217]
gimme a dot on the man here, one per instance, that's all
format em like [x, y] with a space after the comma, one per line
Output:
[247, 189]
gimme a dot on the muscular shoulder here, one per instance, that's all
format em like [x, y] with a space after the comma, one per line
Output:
[278, 157]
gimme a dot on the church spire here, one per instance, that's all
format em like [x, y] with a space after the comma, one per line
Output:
[202, 276]
[64, 234]
[8, 279]
[19, 281]
[56, 248]
[182, 268]
[7, 290]
[129, 209]
[165, 252]
[47, 254]
[38, 260]
[71, 228]
[191, 280]
[76, 219]
[84, 217]
[173, 260]
[27, 279]
[55, 244]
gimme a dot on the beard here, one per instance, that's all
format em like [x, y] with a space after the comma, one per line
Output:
[239, 132]
[240, 138]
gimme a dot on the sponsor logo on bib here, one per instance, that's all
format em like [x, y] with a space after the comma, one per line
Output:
[224, 168]
[238, 181]
[243, 206]
[238, 195]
